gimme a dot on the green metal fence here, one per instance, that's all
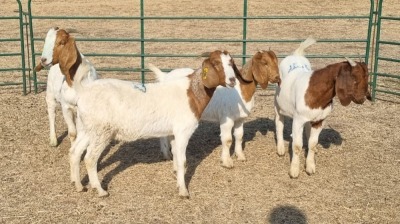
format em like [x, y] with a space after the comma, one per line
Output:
[392, 80]
[19, 25]
[245, 39]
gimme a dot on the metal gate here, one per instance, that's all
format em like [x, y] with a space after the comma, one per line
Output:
[245, 39]
[386, 76]
[13, 71]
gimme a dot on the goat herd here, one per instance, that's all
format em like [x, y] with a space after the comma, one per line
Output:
[97, 111]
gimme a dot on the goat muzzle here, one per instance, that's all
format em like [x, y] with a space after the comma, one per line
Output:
[232, 82]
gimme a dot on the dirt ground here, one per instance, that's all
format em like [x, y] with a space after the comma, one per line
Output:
[358, 174]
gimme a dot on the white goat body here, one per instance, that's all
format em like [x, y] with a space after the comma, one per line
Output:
[57, 89]
[306, 96]
[115, 109]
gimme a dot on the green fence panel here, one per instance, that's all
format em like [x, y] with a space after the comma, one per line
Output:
[143, 41]
[385, 81]
[19, 25]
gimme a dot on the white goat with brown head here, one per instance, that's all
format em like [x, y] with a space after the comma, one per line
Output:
[115, 109]
[60, 52]
[307, 97]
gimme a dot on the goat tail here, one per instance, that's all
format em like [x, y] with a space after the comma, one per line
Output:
[83, 70]
[160, 74]
[305, 44]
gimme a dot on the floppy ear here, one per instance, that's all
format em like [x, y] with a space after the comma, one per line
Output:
[68, 58]
[344, 85]
[247, 71]
[209, 75]
[260, 71]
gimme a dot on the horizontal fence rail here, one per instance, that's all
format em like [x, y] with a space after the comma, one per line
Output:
[142, 40]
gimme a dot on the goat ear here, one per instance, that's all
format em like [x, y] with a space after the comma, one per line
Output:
[260, 71]
[205, 54]
[344, 85]
[209, 75]
[68, 58]
[247, 71]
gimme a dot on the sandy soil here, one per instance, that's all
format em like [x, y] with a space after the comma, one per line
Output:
[358, 175]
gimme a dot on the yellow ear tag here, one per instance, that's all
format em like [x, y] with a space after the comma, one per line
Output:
[204, 73]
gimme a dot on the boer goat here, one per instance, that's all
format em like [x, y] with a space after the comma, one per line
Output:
[230, 107]
[307, 97]
[60, 52]
[115, 109]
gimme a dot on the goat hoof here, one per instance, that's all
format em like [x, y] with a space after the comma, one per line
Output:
[294, 174]
[310, 170]
[104, 194]
[81, 189]
[227, 163]
[241, 158]
[53, 143]
[184, 194]
[184, 197]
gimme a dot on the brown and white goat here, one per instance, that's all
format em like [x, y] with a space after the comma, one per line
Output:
[307, 97]
[61, 53]
[115, 109]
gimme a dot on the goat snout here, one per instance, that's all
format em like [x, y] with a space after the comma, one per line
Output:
[43, 62]
[232, 82]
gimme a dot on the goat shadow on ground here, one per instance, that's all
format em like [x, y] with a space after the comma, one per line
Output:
[327, 137]
[203, 142]
[61, 138]
[287, 214]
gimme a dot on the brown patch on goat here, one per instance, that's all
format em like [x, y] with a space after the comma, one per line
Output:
[204, 81]
[261, 69]
[316, 124]
[67, 55]
[348, 82]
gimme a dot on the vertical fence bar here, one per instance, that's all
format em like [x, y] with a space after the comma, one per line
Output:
[370, 24]
[377, 40]
[142, 40]
[22, 43]
[244, 43]
[35, 83]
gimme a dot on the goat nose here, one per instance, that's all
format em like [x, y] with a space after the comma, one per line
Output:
[232, 80]
[43, 59]
[56, 28]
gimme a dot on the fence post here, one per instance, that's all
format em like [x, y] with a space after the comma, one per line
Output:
[244, 51]
[22, 43]
[377, 40]
[142, 40]
[35, 83]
